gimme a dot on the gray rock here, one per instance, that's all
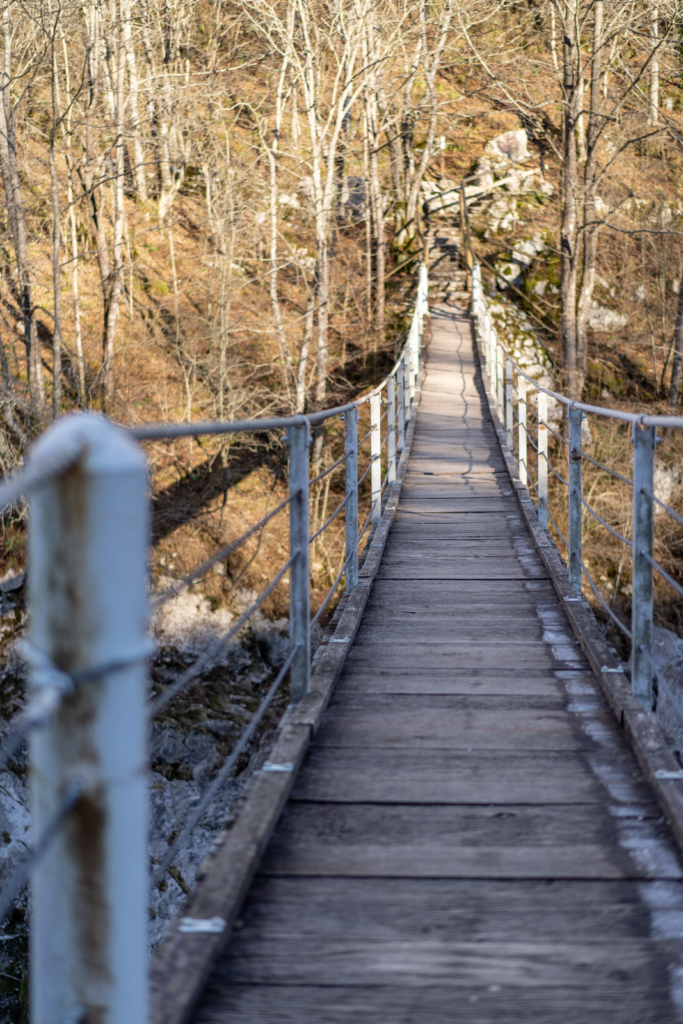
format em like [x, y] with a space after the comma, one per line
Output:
[601, 319]
[512, 145]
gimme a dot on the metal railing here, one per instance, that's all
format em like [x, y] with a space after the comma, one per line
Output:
[514, 403]
[87, 713]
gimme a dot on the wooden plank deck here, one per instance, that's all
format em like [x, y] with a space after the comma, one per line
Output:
[470, 838]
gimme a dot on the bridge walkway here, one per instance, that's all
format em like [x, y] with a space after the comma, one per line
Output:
[470, 838]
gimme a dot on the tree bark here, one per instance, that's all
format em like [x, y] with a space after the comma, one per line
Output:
[568, 238]
[677, 366]
[9, 169]
[590, 216]
[653, 116]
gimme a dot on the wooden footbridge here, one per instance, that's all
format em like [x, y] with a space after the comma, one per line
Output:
[470, 836]
[469, 812]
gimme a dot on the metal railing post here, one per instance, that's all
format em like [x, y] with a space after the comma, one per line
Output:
[509, 421]
[401, 406]
[88, 598]
[500, 376]
[406, 385]
[574, 497]
[391, 430]
[351, 507]
[542, 413]
[643, 543]
[493, 363]
[299, 439]
[376, 456]
[414, 346]
[521, 437]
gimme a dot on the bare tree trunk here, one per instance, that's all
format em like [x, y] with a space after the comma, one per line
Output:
[305, 350]
[590, 216]
[568, 243]
[580, 122]
[66, 132]
[138, 161]
[112, 311]
[285, 354]
[57, 287]
[653, 116]
[677, 366]
[375, 193]
[15, 214]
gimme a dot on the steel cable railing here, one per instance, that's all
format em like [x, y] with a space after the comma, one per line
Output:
[89, 648]
[506, 393]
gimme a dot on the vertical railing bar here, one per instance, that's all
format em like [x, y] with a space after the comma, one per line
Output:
[644, 440]
[405, 362]
[351, 492]
[500, 376]
[574, 498]
[400, 406]
[542, 439]
[522, 436]
[508, 403]
[391, 430]
[299, 574]
[376, 456]
[87, 567]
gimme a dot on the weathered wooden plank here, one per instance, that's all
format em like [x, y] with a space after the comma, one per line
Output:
[431, 655]
[486, 910]
[447, 776]
[413, 502]
[441, 682]
[618, 999]
[473, 842]
[375, 860]
[491, 569]
[540, 593]
[460, 729]
[425, 961]
[471, 630]
[506, 702]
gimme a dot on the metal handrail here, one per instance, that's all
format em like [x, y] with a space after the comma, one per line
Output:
[499, 367]
[100, 544]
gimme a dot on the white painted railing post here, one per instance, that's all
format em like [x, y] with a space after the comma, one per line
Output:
[391, 430]
[500, 377]
[401, 406]
[87, 562]
[574, 497]
[299, 439]
[542, 413]
[509, 420]
[643, 544]
[406, 385]
[376, 456]
[493, 361]
[521, 436]
[414, 346]
[351, 507]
